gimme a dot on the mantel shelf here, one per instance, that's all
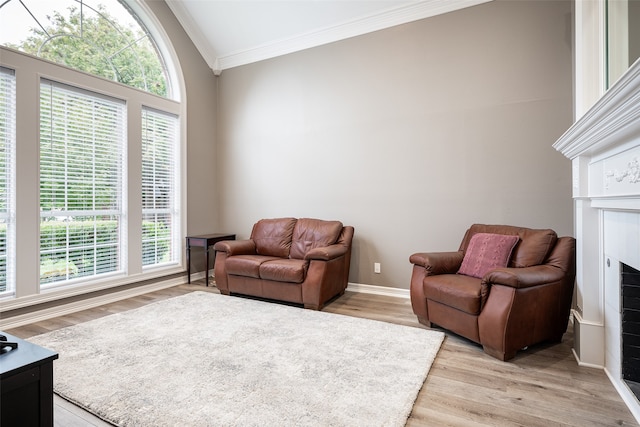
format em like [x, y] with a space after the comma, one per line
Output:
[610, 125]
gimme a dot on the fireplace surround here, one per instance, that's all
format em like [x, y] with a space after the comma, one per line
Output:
[604, 148]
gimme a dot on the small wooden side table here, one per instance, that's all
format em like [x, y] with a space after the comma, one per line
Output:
[204, 241]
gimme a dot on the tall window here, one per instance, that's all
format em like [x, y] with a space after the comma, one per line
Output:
[159, 209]
[97, 134]
[7, 168]
[81, 140]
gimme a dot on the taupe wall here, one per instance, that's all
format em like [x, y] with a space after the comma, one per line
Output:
[200, 96]
[410, 134]
[200, 82]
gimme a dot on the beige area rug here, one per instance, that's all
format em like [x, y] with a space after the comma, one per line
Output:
[205, 359]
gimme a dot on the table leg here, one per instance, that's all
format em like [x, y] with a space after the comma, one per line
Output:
[206, 266]
[188, 262]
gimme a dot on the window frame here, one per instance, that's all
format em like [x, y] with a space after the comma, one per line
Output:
[61, 99]
[29, 71]
[10, 175]
[172, 209]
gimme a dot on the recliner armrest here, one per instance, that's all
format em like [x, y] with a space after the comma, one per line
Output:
[438, 262]
[326, 253]
[236, 247]
[524, 277]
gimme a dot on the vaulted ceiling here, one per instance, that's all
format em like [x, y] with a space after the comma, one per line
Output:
[229, 33]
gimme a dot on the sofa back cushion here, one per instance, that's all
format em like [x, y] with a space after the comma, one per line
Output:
[532, 249]
[273, 236]
[313, 233]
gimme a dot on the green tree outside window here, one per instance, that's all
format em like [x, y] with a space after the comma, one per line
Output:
[91, 40]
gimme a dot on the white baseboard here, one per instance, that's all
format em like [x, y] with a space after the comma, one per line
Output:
[64, 309]
[626, 394]
[378, 290]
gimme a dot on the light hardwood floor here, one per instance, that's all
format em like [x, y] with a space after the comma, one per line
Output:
[543, 386]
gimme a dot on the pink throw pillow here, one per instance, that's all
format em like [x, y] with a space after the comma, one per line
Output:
[487, 252]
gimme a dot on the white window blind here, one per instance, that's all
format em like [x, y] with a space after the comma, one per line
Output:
[82, 135]
[159, 187]
[7, 180]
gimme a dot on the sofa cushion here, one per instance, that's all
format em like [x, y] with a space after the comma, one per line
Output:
[246, 265]
[534, 246]
[284, 270]
[273, 236]
[313, 233]
[464, 293]
[487, 252]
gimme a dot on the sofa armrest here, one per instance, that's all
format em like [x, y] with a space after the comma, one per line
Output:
[438, 262]
[524, 277]
[236, 247]
[326, 253]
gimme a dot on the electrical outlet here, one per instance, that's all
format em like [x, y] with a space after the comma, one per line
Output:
[376, 267]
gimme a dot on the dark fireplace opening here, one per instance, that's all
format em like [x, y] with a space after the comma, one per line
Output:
[631, 328]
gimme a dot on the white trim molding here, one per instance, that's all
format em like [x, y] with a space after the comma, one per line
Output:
[589, 53]
[611, 124]
[219, 61]
[378, 290]
[85, 304]
[604, 147]
[74, 307]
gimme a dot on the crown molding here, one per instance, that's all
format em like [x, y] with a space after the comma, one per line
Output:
[374, 22]
[368, 24]
[193, 31]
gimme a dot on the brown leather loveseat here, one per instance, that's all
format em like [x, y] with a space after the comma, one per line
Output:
[523, 301]
[304, 261]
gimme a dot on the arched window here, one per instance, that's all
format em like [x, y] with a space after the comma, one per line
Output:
[101, 37]
[103, 162]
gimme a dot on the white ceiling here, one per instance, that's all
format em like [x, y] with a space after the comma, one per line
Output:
[229, 33]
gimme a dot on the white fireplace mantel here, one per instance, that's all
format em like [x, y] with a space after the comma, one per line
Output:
[610, 123]
[604, 147]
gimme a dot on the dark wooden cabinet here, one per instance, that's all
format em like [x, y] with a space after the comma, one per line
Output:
[26, 385]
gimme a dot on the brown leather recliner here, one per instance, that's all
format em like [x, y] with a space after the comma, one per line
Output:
[508, 308]
[304, 261]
